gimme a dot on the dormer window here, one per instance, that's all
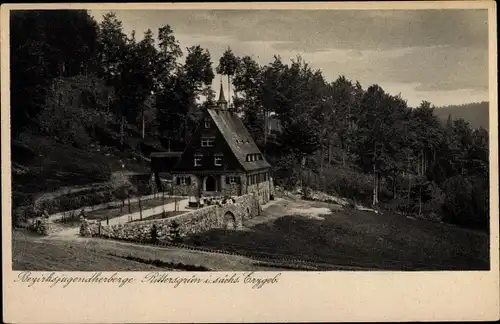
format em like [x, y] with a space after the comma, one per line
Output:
[207, 122]
[197, 159]
[254, 157]
[208, 142]
[218, 159]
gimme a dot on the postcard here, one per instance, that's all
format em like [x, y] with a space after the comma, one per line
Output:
[250, 162]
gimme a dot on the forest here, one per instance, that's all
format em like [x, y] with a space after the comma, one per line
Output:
[360, 143]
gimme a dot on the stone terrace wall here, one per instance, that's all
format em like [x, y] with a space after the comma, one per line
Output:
[196, 221]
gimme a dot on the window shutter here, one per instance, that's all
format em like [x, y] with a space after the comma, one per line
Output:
[238, 180]
[227, 180]
[188, 180]
[178, 180]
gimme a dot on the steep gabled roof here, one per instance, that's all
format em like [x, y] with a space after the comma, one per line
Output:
[238, 138]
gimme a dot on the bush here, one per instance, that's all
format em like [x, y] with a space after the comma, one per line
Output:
[154, 234]
[348, 183]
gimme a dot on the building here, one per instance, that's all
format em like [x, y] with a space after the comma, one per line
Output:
[222, 159]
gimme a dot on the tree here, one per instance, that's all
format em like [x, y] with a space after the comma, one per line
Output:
[168, 54]
[44, 45]
[228, 64]
[198, 68]
[145, 75]
[247, 82]
[112, 43]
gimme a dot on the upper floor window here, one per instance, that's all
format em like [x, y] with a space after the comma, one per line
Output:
[208, 142]
[207, 122]
[197, 159]
[218, 159]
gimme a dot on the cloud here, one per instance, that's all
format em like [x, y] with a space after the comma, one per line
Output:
[420, 53]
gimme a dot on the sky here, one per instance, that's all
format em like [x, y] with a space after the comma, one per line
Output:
[436, 55]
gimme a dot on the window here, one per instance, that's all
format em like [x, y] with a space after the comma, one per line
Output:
[218, 160]
[208, 142]
[197, 159]
[207, 122]
[183, 180]
[232, 180]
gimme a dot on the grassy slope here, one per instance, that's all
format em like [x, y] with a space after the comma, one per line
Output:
[55, 165]
[34, 253]
[355, 238]
[29, 253]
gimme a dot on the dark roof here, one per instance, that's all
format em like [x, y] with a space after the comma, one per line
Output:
[237, 137]
[165, 154]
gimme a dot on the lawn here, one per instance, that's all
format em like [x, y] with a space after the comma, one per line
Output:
[113, 212]
[354, 238]
[31, 253]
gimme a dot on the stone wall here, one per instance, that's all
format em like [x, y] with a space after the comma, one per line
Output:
[229, 215]
[261, 190]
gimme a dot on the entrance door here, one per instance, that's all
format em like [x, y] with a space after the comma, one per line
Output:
[210, 184]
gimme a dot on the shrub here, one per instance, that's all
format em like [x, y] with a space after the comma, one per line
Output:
[154, 234]
[175, 235]
[348, 183]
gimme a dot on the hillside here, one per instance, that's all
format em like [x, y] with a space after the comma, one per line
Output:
[475, 113]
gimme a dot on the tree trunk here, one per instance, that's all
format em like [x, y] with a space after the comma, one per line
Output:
[375, 178]
[265, 128]
[343, 152]
[302, 170]
[329, 152]
[129, 208]
[409, 195]
[228, 90]
[394, 190]
[374, 202]
[420, 202]
[322, 152]
[143, 125]
[122, 131]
